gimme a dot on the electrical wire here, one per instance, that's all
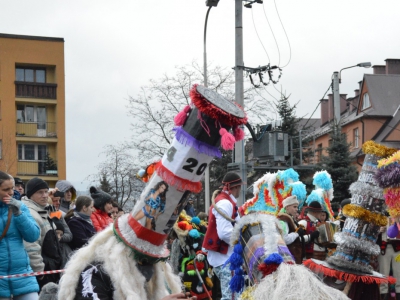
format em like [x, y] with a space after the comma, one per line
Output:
[317, 106]
[287, 38]
[276, 42]
[255, 28]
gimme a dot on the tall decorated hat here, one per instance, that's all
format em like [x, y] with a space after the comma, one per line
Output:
[365, 215]
[323, 193]
[202, 127]
[260, 251]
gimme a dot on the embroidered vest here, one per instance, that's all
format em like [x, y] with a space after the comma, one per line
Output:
[211, 240]
[311, 227]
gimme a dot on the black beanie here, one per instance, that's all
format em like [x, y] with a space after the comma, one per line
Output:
[100, 198]
[19, 181]
[35, 184]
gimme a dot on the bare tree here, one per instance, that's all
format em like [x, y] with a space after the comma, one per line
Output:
[118, 177]
[154, 108]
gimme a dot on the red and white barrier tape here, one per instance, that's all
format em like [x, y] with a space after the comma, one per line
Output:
[32, 274]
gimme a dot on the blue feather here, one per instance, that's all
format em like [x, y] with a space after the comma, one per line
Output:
[323, 180]
[299, 189]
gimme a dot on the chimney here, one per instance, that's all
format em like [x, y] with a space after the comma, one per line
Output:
[360, 85]
[392, 66]
[343, 103]
[356, 92]
[324, 111]
[379, 69]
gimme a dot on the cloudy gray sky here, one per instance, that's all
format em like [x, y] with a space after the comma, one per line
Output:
[112, 48]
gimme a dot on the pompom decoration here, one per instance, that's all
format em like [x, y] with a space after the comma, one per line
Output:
[274, 258]
[370, 147]
[209, 282]
[196, 220]
[267, 269]
[141, 173]
[238, 133]
[237, 282]
[194, 233]
[388, 175]
[181, 117]
[184, 225]
[323, 180]
[227, 139]
[392, 231]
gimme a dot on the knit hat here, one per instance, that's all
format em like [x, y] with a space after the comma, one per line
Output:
[231, 179]
[35, 184]
[19, 181]
[290, 201]
[100, 198]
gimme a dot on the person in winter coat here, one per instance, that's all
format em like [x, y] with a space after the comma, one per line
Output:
[13, 257]
[79, 222]
[69, 194]
[103, 205]
[36, 200]
[54, 212]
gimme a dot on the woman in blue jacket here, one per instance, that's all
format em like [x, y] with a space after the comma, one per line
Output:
[13, 257]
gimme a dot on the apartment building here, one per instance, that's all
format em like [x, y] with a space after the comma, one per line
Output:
[32, 107]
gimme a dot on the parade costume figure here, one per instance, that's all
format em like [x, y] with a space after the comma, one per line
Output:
[126, 261]
[223, 214]
[356, 243]
[273, 274]
[289, 226]
[388, 178]
[188, 260]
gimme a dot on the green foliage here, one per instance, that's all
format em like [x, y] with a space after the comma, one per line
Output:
[50, 163]
[339, 164]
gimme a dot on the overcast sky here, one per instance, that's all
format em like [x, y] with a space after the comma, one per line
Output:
[112, 48]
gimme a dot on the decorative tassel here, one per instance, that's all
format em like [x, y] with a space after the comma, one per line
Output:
[393, 231]
[227, 139]
[274, 258]
[181, 117]
[238, 133]
[237, 282]
[236, 259]
[209, 282]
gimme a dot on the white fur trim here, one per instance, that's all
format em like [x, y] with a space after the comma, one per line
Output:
[268, 224]
[128, 233]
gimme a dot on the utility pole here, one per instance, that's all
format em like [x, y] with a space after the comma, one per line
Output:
[239, 93]
[336, 99]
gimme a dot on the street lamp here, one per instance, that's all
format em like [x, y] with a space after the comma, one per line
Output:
[336, 80]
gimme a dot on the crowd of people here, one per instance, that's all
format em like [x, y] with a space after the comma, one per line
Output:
[41, 227]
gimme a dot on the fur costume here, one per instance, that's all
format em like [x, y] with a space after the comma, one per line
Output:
[118, 262]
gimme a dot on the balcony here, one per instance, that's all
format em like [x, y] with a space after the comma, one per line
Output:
[34, 168]
[37, 129]
[35, 90]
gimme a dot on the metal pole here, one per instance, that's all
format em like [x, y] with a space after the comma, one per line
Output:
[207, 174]
[239, 92]
[336, 98]
[291, 151]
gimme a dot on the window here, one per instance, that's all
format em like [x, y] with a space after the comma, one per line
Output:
[30, 75]
[355, 138]
[366, 103]
[30, 113]
[33, 152]
[319, 152]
